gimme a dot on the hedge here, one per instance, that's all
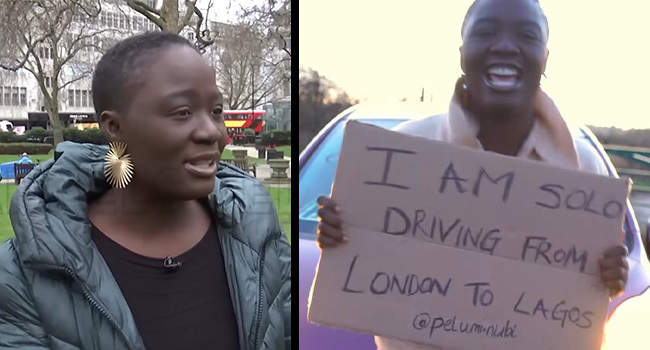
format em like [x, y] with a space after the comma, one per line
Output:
[11, 137]
[276, 137]
[95, 136]
[30, 148]
[40, 135]
[37, 134]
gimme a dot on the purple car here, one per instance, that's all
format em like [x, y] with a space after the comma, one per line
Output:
[317, 166]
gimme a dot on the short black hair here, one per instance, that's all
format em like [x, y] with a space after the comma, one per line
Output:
[123, 66]
[472, 8]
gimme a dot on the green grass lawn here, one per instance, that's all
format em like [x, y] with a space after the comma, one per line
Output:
[282, 199]
[6, 190]
[286, 150]
[5, 158]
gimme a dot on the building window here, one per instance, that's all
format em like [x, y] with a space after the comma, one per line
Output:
[45, 52]
[80, 98]
[15, 100]
[13, 96]
[190, 36]
[7, 95]
[48, 82]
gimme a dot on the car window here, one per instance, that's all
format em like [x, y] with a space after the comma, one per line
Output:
[630, 226]
[317, 174]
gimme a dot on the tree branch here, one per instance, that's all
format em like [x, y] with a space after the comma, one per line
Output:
[147, 11]
[202, 37]
[191, 9]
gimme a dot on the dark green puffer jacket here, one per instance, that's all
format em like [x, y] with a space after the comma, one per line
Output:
[56, 291]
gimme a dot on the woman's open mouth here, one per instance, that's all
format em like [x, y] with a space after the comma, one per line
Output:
[502, 77]
[202, 168]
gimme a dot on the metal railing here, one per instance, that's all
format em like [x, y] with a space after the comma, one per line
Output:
[635, 155]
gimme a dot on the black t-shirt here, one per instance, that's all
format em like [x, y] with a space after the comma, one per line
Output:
[184, 308]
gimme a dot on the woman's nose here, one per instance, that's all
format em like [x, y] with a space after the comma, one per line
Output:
[505, 46]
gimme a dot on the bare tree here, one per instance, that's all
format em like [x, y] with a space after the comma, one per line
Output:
[50, 39]
[275, 16]
[246, 71]
[171, 16]
[320, 100]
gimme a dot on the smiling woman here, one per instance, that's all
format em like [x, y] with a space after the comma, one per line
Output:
[499, 106]
[146, 261]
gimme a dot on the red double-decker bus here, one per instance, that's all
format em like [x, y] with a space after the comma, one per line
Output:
[239, 120]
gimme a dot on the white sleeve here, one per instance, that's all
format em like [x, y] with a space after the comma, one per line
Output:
[589, 159]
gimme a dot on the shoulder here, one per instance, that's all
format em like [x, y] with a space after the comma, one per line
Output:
[434, 127]
[590, 159]
[240, 183]
[242, 204]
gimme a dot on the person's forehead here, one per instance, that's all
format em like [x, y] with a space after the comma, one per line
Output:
[175, 66]
[178, 57]
[512, 10]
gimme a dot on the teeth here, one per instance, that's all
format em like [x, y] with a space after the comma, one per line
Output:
[500, 83]
[202, 163]
[503, 71]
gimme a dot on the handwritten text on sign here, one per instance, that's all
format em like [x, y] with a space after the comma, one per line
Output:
[466, 249]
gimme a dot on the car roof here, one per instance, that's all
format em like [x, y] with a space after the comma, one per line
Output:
[400, 110]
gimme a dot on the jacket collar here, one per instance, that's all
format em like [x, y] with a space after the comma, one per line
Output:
[549, 140]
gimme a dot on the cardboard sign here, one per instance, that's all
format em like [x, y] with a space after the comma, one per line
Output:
[466, 249]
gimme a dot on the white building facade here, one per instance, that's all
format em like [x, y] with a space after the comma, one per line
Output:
[21, 99]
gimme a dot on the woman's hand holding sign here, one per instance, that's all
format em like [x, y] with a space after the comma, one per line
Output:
[330, 232]
[614, 269]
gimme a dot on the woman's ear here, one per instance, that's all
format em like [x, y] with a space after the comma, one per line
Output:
[110, 122]
[462, 61]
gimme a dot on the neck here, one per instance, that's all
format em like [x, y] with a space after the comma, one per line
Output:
[505, 131]
[135, 207]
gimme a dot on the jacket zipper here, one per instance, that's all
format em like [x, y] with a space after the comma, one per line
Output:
[261, 292]
[93, 302]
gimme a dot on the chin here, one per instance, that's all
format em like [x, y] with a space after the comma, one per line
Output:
[504, 103]
[195, 190]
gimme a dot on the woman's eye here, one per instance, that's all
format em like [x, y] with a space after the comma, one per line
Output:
[182, 113]
[529, 35]
[217, 110]
[484, 33]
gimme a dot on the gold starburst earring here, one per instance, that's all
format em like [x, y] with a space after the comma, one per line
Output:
[118, 166]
